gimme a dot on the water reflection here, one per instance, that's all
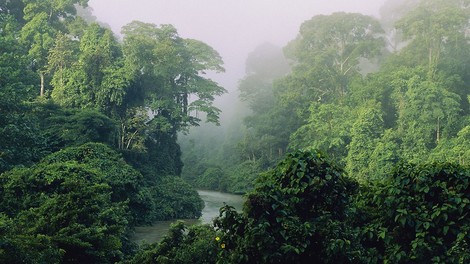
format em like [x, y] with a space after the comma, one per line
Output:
[212, 201]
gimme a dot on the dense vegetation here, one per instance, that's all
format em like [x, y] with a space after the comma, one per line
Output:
[306, 210]
[388, 101]
[368, 92]
[88, 130]
[373, 115]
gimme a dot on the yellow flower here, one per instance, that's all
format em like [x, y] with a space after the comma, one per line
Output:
[217, 238]
[222, 245]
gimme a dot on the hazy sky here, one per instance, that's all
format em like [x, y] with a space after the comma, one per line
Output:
[232, 27]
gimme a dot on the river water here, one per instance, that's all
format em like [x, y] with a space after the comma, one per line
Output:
[212, 202]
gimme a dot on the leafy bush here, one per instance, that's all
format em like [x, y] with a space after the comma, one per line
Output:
[169, 197]
[24, 248]
[125, 182]
[175, 199]
[419, 214]
[66, 209]
[182, 245]
[243, 176]
[211, 179]
[296, 214]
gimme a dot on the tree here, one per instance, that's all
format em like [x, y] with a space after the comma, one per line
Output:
[126, 183]
[165, 71]
[68, 205]
[327, 53]
[263, 66]
[427, 114]
[182, 245]
[327, 129]
[95, 76]
[453, 150]
[365, 133]
[297, 213]
[168, 70]
[61, 57]
[20, 142]
[391, 12]
[384, 156]
[44, 19]
[435, 38]
[433, 29]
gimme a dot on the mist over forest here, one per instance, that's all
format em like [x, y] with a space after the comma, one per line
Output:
[343, 125]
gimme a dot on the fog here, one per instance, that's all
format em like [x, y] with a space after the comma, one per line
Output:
[233, 28]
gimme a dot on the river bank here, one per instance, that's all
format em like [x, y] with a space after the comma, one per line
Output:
[213, 200]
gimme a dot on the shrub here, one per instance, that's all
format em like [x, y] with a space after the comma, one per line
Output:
[296, 214]
[420, 214]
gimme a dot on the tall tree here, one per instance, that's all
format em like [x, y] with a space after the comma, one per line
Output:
[365, 133]
[433, 29]
[327, 55]
[19, 139]
[43, 20]
[328, 50]
[89, 71]
[61, 57]
[168, 70]
[263, 66]
[427, 112]
[327, 129]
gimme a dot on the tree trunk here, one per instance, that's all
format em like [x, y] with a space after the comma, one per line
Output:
[41, 75]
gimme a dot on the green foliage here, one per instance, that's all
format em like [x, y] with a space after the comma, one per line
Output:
[327, 129]
[77, 203]
[364, 135]
[296, 214]
[19, 140]
[384, 157]
[25, 248]
[68, 205]
[427, 113]
[182, 244]
[67, 127]
[169, 69]
[455, 150]
[80, 201]
[21, 144]
[36, 129]
[303, 211]
[243, 176]
[125, 182]
[174, 198]
[419, 214]
[432, 27]
[211, 179]
[89, 72]
[328, 50]
[43, 21]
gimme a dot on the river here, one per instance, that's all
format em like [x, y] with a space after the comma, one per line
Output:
[212, 202]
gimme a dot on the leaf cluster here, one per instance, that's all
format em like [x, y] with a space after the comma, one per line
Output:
[419, 214]
[296, 213]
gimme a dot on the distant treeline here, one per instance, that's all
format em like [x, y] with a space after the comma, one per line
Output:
[367, 92]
